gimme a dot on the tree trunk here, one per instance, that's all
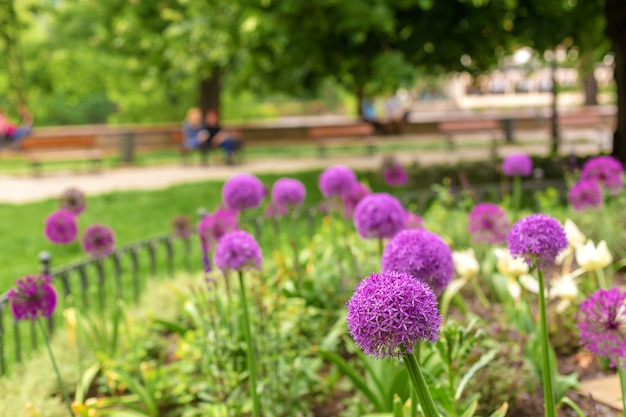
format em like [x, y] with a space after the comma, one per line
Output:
[615, 13]
[590, 85]
[209, 91]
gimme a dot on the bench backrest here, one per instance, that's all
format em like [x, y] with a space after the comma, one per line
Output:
[467, 125]
[58, 142]
[341, 130]
[581, 119]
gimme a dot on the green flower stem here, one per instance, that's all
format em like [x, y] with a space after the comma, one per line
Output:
[479, 292]
[517, 193]
[256, 405]
[548, 388]
[420, 386]
[381, 247]
[601, 279]
[621, 370]
[66, 396]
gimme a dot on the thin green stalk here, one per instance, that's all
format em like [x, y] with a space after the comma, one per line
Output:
[517, 193]
[480, 293]
[602, 283]
[621, 370]
[381, 247]
[421, 388]
[548, 388]
[256, 405]
[66, 396]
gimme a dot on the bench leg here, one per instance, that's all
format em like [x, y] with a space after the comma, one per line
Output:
[450, 141]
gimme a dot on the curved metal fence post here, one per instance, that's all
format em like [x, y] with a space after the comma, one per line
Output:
[152, 256]
[117, 267]
[169, 249]
[187, 243]
[18, 342]
[135, 270]
[84, 285]
[45, 259]
[100, 280]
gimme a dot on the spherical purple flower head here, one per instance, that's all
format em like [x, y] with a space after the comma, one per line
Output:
[538, 239]
[602, 323]
[606, 170]
[288, 192]
[337, 180]
[33, 296]
[351, 199]
[243, 191]
[61, 227]
[395, 175]
[236, 251]
[488, 223]
[98, 240]
[585, 194]
[422, 254]
[517, 164]
[413, 221]
[181, 227]
[379, 216]
[390, 313]
[215, 225]
[73, 200]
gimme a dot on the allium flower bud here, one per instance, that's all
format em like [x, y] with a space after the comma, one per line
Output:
[33, 296]
[602, 324]
[518, 164]
[585, 194]
[379, 216]
[73, 200]
[336, 180]
[61, 227]
[98, 240]
[288, 192]
[243, 191]
[607, 170]
[488, 223]
[422, 254]
[237, 250]
[538, 239]
[395, 175]
[181, 227]
[390, 312]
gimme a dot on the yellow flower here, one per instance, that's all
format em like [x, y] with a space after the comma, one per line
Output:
[575, 239]
[70, 322]
[465, 263]
[592, 258]
[509, 266]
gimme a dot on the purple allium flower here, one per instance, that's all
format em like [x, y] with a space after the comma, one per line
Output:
[237, 250]
[181, 227]
[98, 240]
[73, 200]
[243, 191]
[413, 221]
[538, 239]
[422, 254]
[517, 164]
[606, 170]
[215, 225]
[61, 227]
[337, 180]
[351, 199]
[395, 175]
[585, 194]
[488, 223]
[602, 323]
[288, 192]
[32, 296]
[390, 313]
[379, 216]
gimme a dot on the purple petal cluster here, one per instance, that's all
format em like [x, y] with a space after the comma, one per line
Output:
[379, 216]
[607, 170]
[33, 296]
[181, 227]
[61, 227]
[288, 192]
[422, 254]
[73, 200]
[602, 323]
[98, 240]
[413, 221]
[488, 223]
[336, 180]
[215, 225]
[538, 239]
[236, 251]
[517, 164]
[243, 191]
[585, 194]
[351, 199]
[395, 175]
[390, 312]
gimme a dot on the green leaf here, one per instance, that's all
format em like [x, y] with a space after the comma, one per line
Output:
[85, 382]
[469, 412]
[570, 403]
[483, 361]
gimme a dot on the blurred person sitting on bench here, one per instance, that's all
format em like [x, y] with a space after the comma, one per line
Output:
[219, 137]
[12, 134]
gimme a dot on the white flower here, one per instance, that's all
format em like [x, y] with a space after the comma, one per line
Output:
[509, 266]
[530, 283]
[575, 239]
[592, 258]
[465, 263]
[565, 289]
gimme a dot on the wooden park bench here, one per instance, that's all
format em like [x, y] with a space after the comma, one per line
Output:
[41, 149]
[342, 135]
[455, 127]
[568, 122]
